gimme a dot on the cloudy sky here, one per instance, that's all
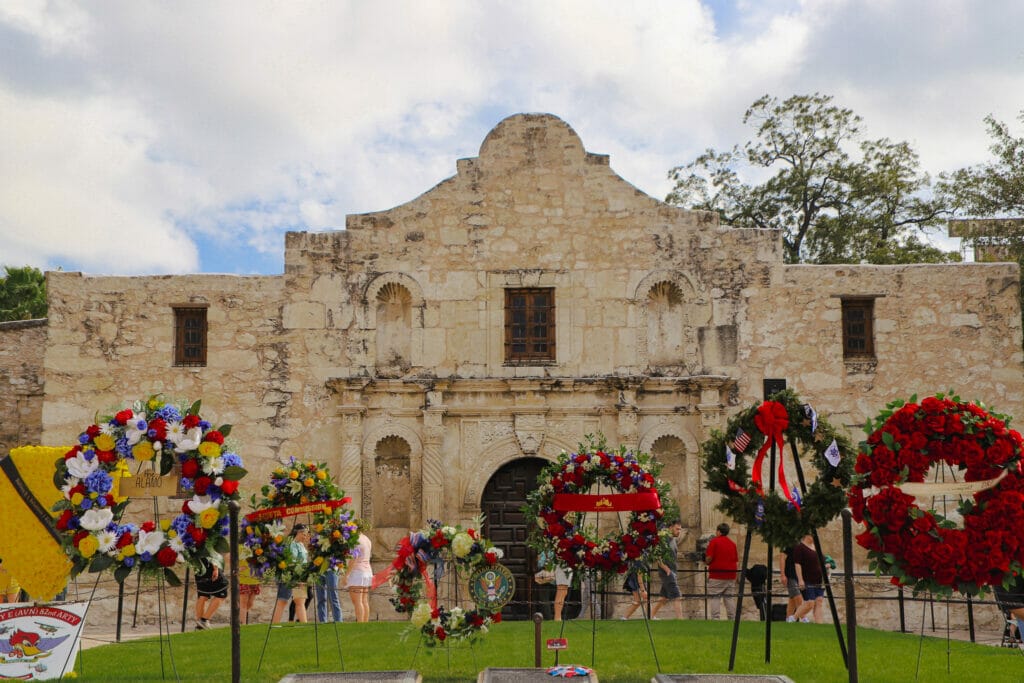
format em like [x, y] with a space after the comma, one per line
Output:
[153, 137]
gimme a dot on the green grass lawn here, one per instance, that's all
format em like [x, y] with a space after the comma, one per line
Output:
[622, 653]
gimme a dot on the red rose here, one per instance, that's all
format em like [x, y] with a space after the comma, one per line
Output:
[491, 557]
[496, 617]
[126, 539]
[72, 453]
[123, 416]
[190, 468]
[190, 421]
[92, 431]
[65, 517]
[106, 456]
[435, 613]
[198, 534]
[78, 488]
[439, 632]
[158, 429]
[229, 487]
[214, 436]
[202, 485]
[148, 526]
[167, 556]
[78, 537]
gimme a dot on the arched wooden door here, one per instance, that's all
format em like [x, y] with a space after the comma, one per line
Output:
[506, 526]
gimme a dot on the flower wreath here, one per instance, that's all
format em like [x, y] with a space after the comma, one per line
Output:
[426, 552]
[921, 548]
[147, 430]
[298, 488]
[560, 529]
[780, 520]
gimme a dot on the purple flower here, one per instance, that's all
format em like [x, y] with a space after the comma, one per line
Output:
[129, 561]
[83, 438]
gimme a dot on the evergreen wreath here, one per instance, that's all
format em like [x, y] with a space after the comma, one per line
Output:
[921, 548]
[564, 535]
[781, 522]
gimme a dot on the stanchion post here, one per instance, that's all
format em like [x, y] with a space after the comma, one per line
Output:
[537, 619]
[851, 599]
[120, 607]
[236, 629]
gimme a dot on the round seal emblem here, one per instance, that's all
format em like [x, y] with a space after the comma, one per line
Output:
[492, 586]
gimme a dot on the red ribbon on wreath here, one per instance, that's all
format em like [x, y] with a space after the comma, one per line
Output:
[772, 420]
[407, 557]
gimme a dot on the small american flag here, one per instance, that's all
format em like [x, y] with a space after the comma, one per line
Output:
[741, 441]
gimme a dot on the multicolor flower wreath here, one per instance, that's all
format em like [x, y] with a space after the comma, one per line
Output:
[734, 462]
[560, 501]
[298, 488]
[920, 548]
[147, 430]
[426, 552]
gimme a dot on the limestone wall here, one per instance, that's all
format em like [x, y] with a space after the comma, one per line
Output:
[22, 344]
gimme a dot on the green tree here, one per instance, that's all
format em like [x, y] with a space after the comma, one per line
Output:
[22, 294]
[835, 197]
[993, 189]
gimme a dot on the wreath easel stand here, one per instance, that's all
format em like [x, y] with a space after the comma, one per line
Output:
[768, 593]
[315, 620]
[453, 582]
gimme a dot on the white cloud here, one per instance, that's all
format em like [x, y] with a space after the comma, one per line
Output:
[141, 132]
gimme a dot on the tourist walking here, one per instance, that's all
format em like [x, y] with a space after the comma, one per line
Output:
[669, 575]
[299, 555]
[360, 574]
[810, 577]
[722, 561]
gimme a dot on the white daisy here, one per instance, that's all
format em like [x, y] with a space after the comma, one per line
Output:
[108, 541]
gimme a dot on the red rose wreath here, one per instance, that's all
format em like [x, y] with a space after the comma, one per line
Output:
[562, 498]
[920, 548]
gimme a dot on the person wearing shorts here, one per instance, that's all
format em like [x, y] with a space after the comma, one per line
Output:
[248, 589]
[285, 593]
[636, 588]
[563, 580]
[667, 571]
[791, 583]
[811, 579]
[360, 575]
[212, 589]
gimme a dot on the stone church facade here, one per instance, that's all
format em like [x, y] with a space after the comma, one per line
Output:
[438, 353]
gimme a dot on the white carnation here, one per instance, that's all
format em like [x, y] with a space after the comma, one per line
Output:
[95, 519]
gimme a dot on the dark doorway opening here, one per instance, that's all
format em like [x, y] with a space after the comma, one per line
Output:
[507, 527]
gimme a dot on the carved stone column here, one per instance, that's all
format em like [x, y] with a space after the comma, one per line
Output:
[350, 472]
[432, 468]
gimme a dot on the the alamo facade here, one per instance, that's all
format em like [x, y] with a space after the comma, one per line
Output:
[437, 353]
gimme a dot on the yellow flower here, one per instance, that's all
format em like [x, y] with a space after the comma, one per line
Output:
[104, 442]
[209, 517]
[154, 403]
[128, 550]
[282, 564]
[94, 495]
[257, 551]
[143, 451]
[319, 528]
[165, 524]
[171, 533]
[209, 449]
[293, 474]
[278, 539]
[335, 534]
[248, 529]
[88, 546]
[76, 499]
[309, 482]
[321, 475]
[318, 561]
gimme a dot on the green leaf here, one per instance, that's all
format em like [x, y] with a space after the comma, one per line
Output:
[225, 430]
[100, 562]
[122, 573]
[235, 473]
[166, 462]
[194, 408]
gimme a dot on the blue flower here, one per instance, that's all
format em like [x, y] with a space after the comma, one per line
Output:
[83, 438]
[204, 425]
[231, 460]
[89, 454]
[123, 448]
[129, 562]
[146, 556]
[99, 482]
[181, 523]
[86, 503]
[169, 413]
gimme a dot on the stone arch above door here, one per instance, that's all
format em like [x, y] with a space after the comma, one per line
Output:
[498, 454]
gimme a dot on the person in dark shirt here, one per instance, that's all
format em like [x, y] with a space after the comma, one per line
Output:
[810, 577]
[791, 583]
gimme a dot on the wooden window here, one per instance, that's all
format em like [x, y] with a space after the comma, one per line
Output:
[529, 326]
[858, 328]
[190, 336]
